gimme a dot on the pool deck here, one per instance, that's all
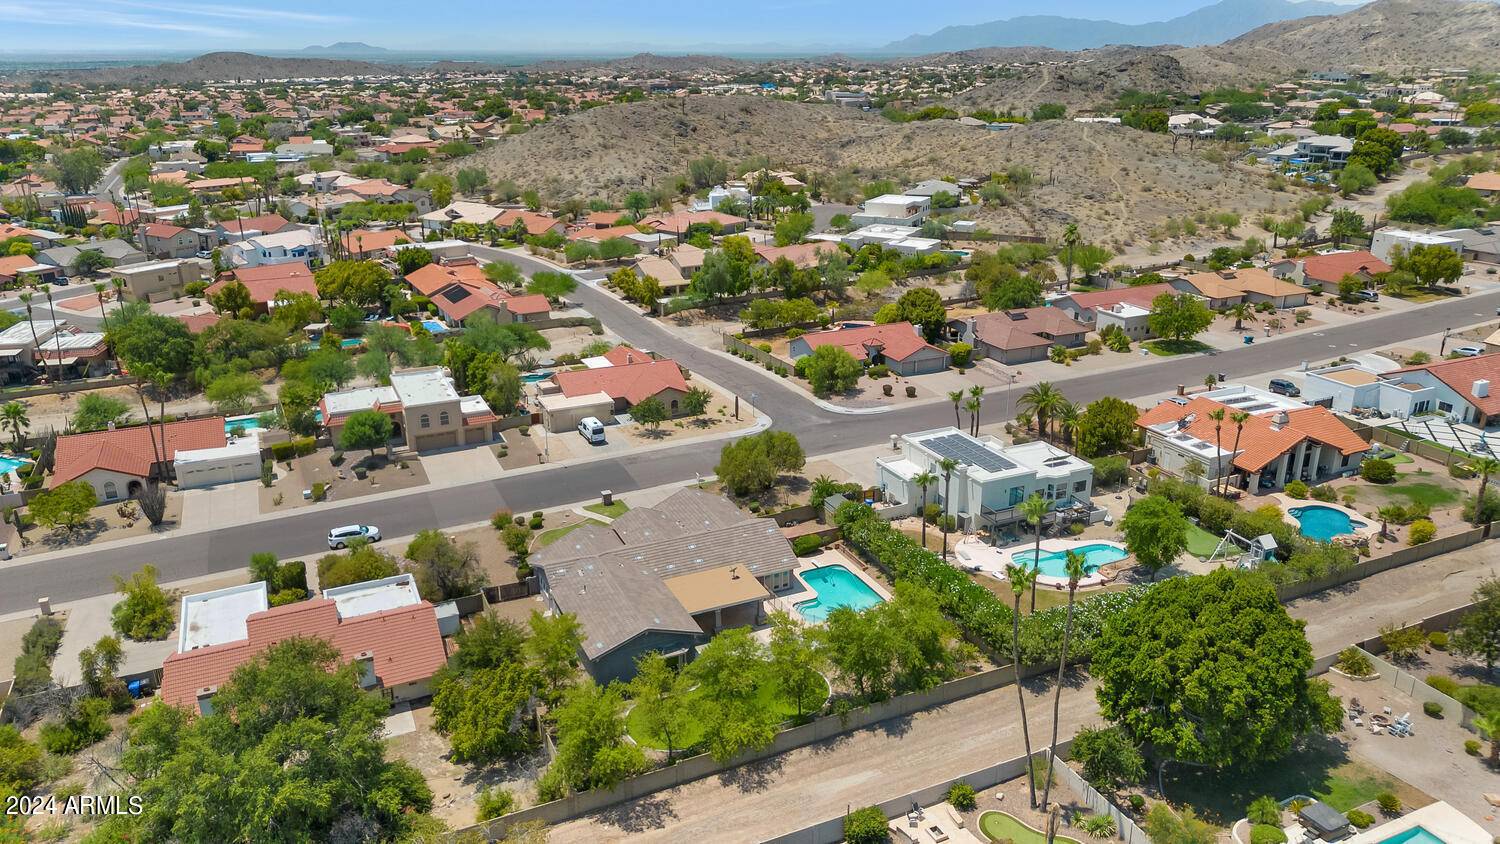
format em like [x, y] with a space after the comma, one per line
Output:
[1287, 503]
[974, 554]
[1440, 819]
[801, 591]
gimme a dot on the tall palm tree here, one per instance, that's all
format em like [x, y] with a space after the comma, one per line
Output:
[976, 398]
[99, 288]
[1034, 509]
[1485, 466]
[1043, 399]
[1019, 579]
[956, 397]
[972, 406]
[923, 481]
[1218, 417]
[26, 300]
[47, 291]
[947, 464]
[1239, 418]
[1075, 573]
[16, 421]
[1070, 240]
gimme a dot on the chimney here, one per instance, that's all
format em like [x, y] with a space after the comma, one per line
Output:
[630, 357]
[1280, 420]
[111, 426]
[1481, 388]
[973, 326]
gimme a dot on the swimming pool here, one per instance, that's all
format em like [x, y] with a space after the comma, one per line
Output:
[351, 341]
[10, 464]
[434, 326]
[533, 377]
[249, 423]
[1415, 835]
[1323, 523]
[836, 587]
[1055, 563]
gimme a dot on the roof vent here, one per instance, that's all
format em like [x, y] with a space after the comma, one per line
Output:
[1280, 420]
[1481, 388]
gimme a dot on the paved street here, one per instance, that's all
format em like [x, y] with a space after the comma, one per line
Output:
[83, 573]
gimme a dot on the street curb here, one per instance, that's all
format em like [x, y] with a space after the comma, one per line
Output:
[851, 411]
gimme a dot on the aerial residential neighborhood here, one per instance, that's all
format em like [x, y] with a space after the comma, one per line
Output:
[853, 425]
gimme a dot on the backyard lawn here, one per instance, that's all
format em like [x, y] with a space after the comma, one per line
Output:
[613, 510]
[1167, 348]
[1201, 543]
[998, 826]
[1430, 490]
[1321, 769]
[767, 696]
[550, 536]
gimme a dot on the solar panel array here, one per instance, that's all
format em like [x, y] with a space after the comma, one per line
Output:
[968, 452]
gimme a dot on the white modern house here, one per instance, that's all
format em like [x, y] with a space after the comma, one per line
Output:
[893, 209]
[280, 248]
[990, 481]
[1384, 239]
[1458, 389]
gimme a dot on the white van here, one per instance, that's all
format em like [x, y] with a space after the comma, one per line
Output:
[592, 429]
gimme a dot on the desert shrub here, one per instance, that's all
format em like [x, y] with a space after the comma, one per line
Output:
[764, 347]
[535, 523]
[361, 472]
[1422, 530]
[962, 796]
[1296, 489]
[1389, 803]
[1264, 833]
[1111, 471]
[1378, 471]
[523, 430]
[932, 513]
[1443, 684]
[501, 519]
[794, 333]
[267, 473]
[319, 491]
[1216, 514]
[804, 545]
[866, 826]
[1323, 493]
[493, 803]
[336, 457]
[1264, 810]
[86, 723]
[1354, 662]
[879, 370]
[1137, 802]
[1471, 747]
[1360, 819]
[1432, 709]
[1438, 639]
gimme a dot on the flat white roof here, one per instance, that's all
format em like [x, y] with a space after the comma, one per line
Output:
[558, 401]
[236, 447]
[217, 617]
[359, 398]
[597, 362]
[1421, 237]
[152, 266]
[86, 340]
[20, 333]
[895, 199]
[1252, 400]
[428, 385]
[373, 596]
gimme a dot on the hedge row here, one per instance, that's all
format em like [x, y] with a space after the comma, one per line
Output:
[296, 448]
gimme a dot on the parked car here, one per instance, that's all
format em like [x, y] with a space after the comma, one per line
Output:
[591, 429]
[1469, 351]
[340, 537]
[1367, 295]
[1284, 387]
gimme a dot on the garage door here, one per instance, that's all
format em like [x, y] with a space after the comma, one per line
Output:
[431, 441]
[196, 477]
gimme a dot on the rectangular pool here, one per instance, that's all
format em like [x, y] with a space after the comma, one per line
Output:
[1415, 835]
[836, 587]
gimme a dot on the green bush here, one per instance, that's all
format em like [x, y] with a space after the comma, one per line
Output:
[319, 491]
[1296, 489]
[1111, 471]
[536, 514]
[267, 472]
[960, 353]
[1324, 493]
[85, 724]
[962, 796]
[794, 333]
[33, 667]
[1354, 662]
[493, 803]
[807, 544]
[361, 472]
[552, 785]
[1432, 709]
[1438, 639]
[879, 370]
[519, 521]
[764, 347]
[1264, 833]
[283, 451]
[866, 826]
[523, 570]
[336, 457]
[1462, 471]
[287, 596]
[1389, 803]
[501, 519]
[1137, 802]
[1378, 471]
[535, 523]
[1422, 531]
[1443, 684]
[523, 429]
[1472, 747]
[1361, 820]
[1215, 515]
[305, 446]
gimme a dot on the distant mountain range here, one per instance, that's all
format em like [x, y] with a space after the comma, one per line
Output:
[357, 48]
[1209, 25]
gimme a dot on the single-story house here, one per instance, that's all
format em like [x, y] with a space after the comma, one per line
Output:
[1020, 335]
[1459, 388]
[460, 289]
[1227, 288]
[666, 273]
[118, 251]
[460, 211]
[1328, 269]
[1085, 307]
[1484, 184]
[265, 282]
[426, 410]
[13, 267]
[383, 626]
[676, 224]
[663, 579]
[116, 463]
[898, 345]
[629, 383]
[534, 224]
[802, 255]
[19, 344]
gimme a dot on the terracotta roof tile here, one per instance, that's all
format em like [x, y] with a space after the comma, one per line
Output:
[632, 383]
[1260, 442]
[1461, 373]
[128, 450]
[900, 340]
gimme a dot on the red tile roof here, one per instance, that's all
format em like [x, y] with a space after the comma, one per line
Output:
[631, 383]
[536, 224]
[264, 282]
[265, 224]
[899, 340]
[625, 355]
[366, 240]
[1138, 296]
[1461, 373]
[163, 230]
[463, 298]
[1260, 442]
[1332, 268]
[802, 255]
[128, 450]
[430, 278]
[197, 322]
[405, 642]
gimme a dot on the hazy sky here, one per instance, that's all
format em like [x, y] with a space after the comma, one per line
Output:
[511, 27]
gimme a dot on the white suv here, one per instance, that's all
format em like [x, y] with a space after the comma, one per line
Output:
[340, 537]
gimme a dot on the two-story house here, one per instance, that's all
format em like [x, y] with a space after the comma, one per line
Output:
[163, 240]
[427, 410]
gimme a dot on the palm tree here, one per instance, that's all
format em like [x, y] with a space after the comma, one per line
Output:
[923, 481]
[976, 398]
[1489, 727]
[1241, 312]
[1070, 240]
[1068, 420]
[956, 397]
[1075, 573]
[947, 464]
[16, 421]
[1034, 509]
[1024, 419]
[26, 300]
[99, 288]
[1239, 418]
[972, 406]
[1485, 466]
[1392, 513]
[47, 291]
[1019, 579]
[1218, 417]
[1043, 399]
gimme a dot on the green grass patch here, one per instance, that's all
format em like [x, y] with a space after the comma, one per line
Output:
[998, 826]
[767, 696]
[551, 536]
[612, 511]
[1425, 492]
[1168, 348]
[1201, 543]
[1321, 769]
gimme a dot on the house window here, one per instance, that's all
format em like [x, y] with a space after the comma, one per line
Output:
[443, 418]
[674, 405]
[1017, 495]
[111, 492]
[1445, 407]
[1080, 486]
[426, 421]
[1421, 407]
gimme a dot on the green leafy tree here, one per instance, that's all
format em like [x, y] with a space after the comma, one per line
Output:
[503, 273]
[830, 369]
[1109, 759]
[233, 393]
[728, 671]
[489, 642]
[481, 713]
[1178, 316]
[695, 402]
[232, 299]
[1106, 426]
[509, 340]
[660, 693]
[66, 505]
[142, 613]
[354, 566]
[616, 248]
[413, 258]
[96, 410]
[359, 282]
[99, 663]
[144, 341]
[553, 647]
[922, 306]
[90, 261]
[1163, 826]
[796, 662]
[1155, 532]
[650, 411]
[751, 464]
[1211, 671]
[793, 228]
[369, 429]
[443, 567]
[552, 285]
[331, 367]
[79, 170]
[225, 775]
[1434, 265]
[591, 750]
[1478, 630]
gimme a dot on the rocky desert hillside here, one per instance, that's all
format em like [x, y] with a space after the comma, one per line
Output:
[1115, 182]
[1392, 34]
[1089, 80]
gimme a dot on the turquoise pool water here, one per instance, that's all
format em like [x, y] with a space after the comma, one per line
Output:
[434, 326]
[1415, 835]
[249, 423]
[10, 464]
[836, 587]
[351, 341]
[533, 377]
[1323, 523]
[1055, 563]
